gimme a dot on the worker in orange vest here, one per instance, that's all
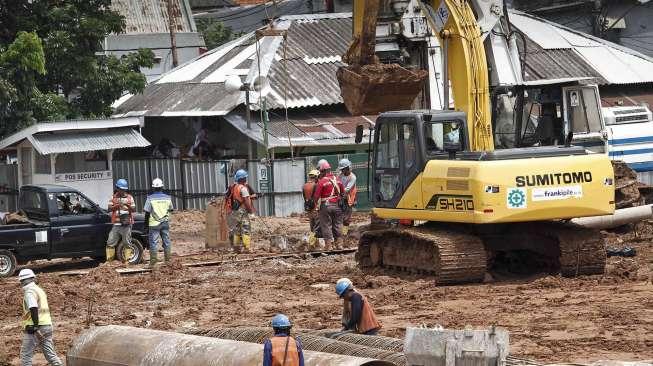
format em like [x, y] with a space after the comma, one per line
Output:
[310, 207]
[348, 180]
[241, 212]
[357, 314]
[282, 349]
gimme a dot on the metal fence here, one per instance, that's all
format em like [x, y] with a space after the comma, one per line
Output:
[190, 183]
[193, 183]
[8, 188]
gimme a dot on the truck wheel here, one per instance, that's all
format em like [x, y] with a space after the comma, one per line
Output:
[7, 263]
[131, 253]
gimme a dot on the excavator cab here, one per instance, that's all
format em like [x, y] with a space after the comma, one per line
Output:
[405, 141]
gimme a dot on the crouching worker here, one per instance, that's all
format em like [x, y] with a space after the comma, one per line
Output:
[357, 313]
[282, 349]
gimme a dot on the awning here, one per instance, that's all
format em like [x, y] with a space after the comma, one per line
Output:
[80, 141]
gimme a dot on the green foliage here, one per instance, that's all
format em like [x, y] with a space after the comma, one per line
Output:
[215, 33]
[51, 61]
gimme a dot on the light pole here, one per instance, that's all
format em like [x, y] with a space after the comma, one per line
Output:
[261, 86]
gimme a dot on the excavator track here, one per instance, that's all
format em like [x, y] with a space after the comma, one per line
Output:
[457, 254]
[452, 257]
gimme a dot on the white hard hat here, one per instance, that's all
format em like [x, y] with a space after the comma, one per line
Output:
[26, 274]
[157, 183]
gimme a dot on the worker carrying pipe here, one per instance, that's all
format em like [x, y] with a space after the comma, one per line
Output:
[282, 349]
[357, 313]
[37, 322]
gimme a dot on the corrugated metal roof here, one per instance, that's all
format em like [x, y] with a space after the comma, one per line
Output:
[311, 57]
[151, 16]
[555, 51]
[87, 141]
[305, 128]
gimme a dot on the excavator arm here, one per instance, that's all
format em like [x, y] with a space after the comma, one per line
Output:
[369, 87]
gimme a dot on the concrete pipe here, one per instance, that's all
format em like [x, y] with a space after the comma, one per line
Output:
[115, 345]
[621, 217]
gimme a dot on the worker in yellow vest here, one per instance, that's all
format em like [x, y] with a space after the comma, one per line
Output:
[158, 207]
[282, 349]
[37, 322]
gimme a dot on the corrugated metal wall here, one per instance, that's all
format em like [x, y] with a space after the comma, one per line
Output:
[193, 183]
[190, 183]
[8, 188]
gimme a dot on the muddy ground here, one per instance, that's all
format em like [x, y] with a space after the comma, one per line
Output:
[550, 319]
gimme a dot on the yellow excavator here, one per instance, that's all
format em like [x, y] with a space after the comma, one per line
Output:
[465, 205]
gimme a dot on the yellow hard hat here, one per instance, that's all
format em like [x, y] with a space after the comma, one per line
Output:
[313, 173]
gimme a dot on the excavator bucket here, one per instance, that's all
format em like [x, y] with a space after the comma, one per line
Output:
[376, 88]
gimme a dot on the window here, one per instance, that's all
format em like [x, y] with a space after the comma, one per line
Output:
[583, 110]
[71, 203]
[92, 161]
[442, 135]
[42, 163]
[33, 200]
[410, 154]
[387, 155]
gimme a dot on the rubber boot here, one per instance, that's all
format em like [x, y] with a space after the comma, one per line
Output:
[340, 243]
[111, 253]
[167, 254]
[247, 243]
[153, 258]
[312, 241]
[127, 253]
[328, 245]
[345, 230]
[236, 247]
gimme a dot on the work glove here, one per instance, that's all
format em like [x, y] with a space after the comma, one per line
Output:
[31, 329]
[252, 216]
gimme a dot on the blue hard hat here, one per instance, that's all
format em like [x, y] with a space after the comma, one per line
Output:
[281, 321]
[342, 285]
[240, 174]
[122, 184]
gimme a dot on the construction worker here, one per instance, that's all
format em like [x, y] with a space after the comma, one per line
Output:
[348, 180]
[357, 313]
[309, 205]
[328, 194]
[282, 349]
[37, 322]
[122, 208]
[158, 206]
[239, 202]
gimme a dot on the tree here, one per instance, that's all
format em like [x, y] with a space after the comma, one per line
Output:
[74, 78]
[215, 33]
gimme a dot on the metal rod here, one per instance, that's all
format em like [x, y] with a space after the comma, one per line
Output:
[248, 117]
[445, 72]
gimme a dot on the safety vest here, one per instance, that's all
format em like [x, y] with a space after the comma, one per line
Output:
[309, 190]
[161, 205]
[42, 301]
[284, 346]
[351, 195]
[115, 213]
[367, 320]
[332, 197]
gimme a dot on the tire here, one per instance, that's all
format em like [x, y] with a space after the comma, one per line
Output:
[136, 246]
[7, 263]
